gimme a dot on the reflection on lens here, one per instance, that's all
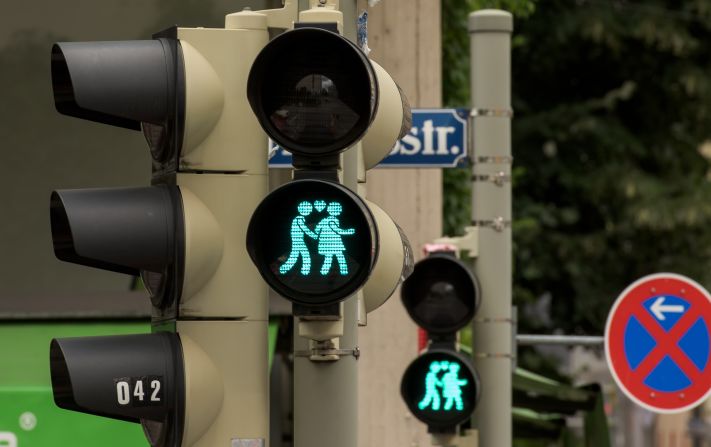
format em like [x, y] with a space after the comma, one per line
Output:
[155, 136]
[313, 91]
[311, 112]
[154, 431]
[155, 284]
[441, 295]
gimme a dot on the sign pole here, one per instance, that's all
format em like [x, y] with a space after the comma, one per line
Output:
[492, 344]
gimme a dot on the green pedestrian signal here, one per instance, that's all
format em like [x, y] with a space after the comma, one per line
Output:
[328, 234]
[443, 376]
[313, 241]
[441, 388]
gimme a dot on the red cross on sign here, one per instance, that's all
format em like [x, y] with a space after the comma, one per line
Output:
[658, 342]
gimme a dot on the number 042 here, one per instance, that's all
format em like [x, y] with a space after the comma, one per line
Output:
[123, 391]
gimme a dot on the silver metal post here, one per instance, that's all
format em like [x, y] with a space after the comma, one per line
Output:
[490, 40]
[561, 340]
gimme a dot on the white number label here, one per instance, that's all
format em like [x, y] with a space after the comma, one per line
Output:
[138, 390]
[122, 393]
[155, 385]
[133, 391]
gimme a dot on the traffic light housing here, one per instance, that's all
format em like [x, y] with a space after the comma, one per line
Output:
[184, 234]
[313, 240]
[441, 387]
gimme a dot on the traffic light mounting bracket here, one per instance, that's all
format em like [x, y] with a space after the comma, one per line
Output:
[469, 242]
[282, 18]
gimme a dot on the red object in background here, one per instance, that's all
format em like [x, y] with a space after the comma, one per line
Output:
[421, 339]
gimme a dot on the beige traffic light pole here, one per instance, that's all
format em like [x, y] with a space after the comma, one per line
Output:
[326, 386]
[325, 392]
[492, 344]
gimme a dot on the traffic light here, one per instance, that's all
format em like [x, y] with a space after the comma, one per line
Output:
[440, 387]
[194, 381]
[313, 240]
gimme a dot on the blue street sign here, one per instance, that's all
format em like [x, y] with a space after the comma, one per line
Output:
[437, 139]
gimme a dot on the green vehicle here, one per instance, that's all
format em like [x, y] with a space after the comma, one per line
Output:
[28, 415]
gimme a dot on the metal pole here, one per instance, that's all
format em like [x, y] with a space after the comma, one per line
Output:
[562, 340]
[326, 393]
[490, 40]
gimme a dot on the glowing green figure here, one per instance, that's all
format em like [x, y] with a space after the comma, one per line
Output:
[452, 388]
[330, 243]
[298, 244]
[432, 397]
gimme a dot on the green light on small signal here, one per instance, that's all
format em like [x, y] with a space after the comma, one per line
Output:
[442, 382]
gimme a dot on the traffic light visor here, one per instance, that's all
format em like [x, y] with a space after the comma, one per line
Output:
[313, 91]
[121, 83]
[124, 230]
[136, 378]
[313, 241]
[440, 388]
[135, 84]
[441, 295]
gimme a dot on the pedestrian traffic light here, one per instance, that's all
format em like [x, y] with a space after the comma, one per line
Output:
[440, 387]
[313, 240]
[194, 381]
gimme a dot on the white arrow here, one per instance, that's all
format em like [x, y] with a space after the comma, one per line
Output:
[658, 308]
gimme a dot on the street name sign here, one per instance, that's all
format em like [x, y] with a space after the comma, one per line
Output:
[437, 139]
[658, 343]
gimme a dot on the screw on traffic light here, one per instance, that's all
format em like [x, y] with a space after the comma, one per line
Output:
[194, 381]
[440, 387]
[313, 240]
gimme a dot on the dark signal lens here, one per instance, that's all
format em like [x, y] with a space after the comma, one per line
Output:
[441, 295]
[313, 91]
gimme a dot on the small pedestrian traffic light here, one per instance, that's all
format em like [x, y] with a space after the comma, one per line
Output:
[441, 387]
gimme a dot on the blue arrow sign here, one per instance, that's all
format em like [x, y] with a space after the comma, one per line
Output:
[437, 139]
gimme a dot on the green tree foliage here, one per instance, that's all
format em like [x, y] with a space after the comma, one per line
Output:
[613, 105]
[611, 146]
